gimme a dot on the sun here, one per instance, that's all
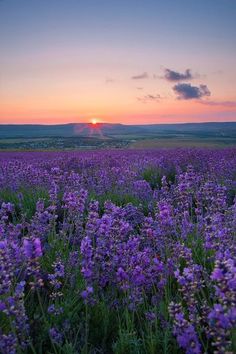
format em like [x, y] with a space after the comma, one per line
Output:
[94, 121]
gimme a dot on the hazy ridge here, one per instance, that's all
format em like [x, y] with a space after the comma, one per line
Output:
[224, 129]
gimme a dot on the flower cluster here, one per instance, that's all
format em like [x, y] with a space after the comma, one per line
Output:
[116, 251]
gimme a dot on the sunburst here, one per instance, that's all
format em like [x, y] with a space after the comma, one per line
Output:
[94, 121]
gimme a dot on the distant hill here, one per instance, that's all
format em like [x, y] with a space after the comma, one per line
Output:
[226, 129]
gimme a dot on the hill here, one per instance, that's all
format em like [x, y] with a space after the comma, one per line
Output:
[104, 135]
[226, 129]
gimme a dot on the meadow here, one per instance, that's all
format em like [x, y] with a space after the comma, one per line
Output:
[118, 251]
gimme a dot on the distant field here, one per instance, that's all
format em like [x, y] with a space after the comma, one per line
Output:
[106, 136]
[177, 142]
[118, 142]
[60, 143]
[10, 141]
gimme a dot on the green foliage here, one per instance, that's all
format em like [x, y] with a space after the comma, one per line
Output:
[118, 199]
[25, 199]
[153, 176]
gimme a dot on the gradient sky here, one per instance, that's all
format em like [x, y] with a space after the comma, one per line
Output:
[117, 60]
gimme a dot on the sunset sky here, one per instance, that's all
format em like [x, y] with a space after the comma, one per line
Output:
[127, 61]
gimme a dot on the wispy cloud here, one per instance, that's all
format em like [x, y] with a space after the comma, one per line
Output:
[219, 103]
[139, 88]
[149, 98]
[175, 76]
[187, 91]
[109, 80]
[140, 76]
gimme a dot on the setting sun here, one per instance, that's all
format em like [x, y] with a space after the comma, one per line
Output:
[94, 121]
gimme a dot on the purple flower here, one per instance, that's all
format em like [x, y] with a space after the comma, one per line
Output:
[184, 331]
[37, 247]
[28, 248]
[55, 335]
[150, 316]
[86, 294]
[32, 248]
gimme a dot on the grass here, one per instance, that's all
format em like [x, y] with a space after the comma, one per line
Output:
[181, 143]
[25, 199]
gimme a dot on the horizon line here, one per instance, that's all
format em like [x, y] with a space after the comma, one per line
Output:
[107, 123]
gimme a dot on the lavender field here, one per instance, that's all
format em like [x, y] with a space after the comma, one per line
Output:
[118, 252]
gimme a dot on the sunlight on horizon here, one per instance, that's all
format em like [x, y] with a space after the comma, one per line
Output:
[94, 121]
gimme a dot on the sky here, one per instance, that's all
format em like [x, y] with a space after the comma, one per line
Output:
[117, 61]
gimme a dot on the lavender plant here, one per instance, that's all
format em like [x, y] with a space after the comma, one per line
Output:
[118, 252]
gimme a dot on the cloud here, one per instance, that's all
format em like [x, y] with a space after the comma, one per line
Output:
[219, 103]
[187, 91]
[109, 80]
[139, 88]
[171, 75]
[140, 77]
[149, 98]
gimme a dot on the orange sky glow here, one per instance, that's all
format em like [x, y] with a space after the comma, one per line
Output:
[121, 62]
